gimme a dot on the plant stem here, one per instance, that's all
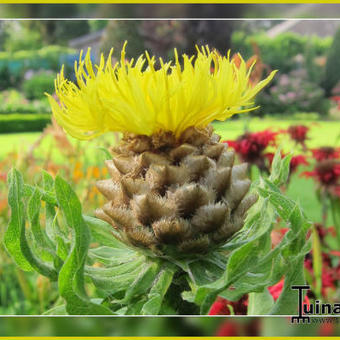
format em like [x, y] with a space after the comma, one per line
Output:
[173, 295]
[335, 208]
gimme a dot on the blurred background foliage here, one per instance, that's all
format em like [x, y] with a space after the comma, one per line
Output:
[163, 326]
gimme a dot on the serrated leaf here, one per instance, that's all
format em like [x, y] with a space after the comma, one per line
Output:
[12, 237]
[116, 270]
[143, 282]
[46, 196]
[71, 276]
[157, 292]
[44, 245]
[280, 168]
[287, 302]
[19, 247]
[112, 256]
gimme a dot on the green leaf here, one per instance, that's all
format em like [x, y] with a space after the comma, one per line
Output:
[106, 152]
[112, 256]
[287, 303]
[51, 223]
[317, 262]
[112, 272]
[103, 232]
[143, 282]
[260, 303]
[12, 237]
[157, 292]
[71, 276]
[280, 168]
[58, 310]
[116, 283]
[44, 245]
[15, 237]
[253, 265]
[46, 196]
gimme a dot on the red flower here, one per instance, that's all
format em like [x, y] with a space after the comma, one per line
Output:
[327, 173]
[329, 275]
[235, 328]
[298, 133]
[219, 307]
[335, 252]
[276, 291]
[323, 231]
[296, 161]
[223, 306]
[326, 152]
[229, 328]
[251, 145]
[277, 236]
[327, 329]
[336, 99]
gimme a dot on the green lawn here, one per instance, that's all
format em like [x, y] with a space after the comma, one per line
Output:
[301, 189]
[321, 133]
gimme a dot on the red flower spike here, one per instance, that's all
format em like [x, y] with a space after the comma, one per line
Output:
[221, 306]
[229, 328]
[251, 145]
[298, 133]
[327, 173]
[276, 291]
[325, 153]
[327, 329]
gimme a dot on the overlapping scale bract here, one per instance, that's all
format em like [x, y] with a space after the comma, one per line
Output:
[175, 196]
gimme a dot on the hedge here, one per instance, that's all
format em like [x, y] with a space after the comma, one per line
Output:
[14, 65]
[278, 52]
[48, 57]
[16, 122]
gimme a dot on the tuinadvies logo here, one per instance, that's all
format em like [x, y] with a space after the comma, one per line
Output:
[313, 309]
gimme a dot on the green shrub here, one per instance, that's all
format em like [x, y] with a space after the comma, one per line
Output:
[292, 93]
[22, 39]
[38, 84]
[332, 70]
[14, 65]
[279, 52]
[23, 122]
[13, 101]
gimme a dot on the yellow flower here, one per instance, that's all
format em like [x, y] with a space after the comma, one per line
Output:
[138, 97]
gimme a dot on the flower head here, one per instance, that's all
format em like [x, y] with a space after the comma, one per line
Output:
[225, 307]
[139, 97]
[327, 173]
[251, 145]
[298, 133]
[326, 152]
